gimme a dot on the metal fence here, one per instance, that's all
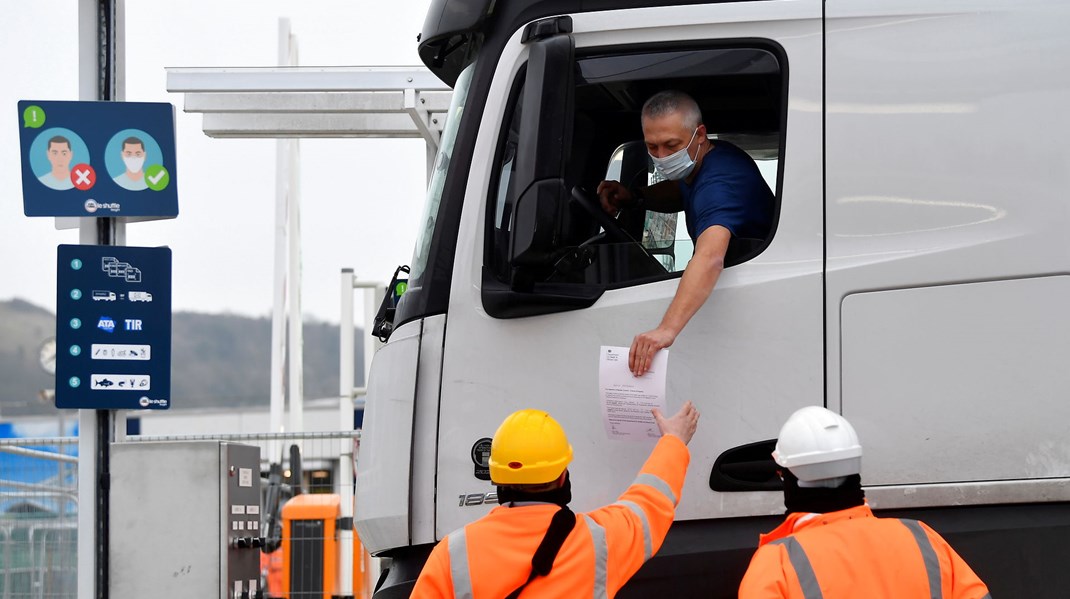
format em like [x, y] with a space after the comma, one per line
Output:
[300, 476]
[38, 518]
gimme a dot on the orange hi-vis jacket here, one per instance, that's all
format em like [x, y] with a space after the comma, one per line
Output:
[852, 553]
[491, 557]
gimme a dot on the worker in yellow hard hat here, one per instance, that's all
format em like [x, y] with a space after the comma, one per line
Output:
[534, 543]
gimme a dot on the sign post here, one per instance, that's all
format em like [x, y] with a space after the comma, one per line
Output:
[111, 162]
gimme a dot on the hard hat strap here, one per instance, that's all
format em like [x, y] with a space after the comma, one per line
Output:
[542, 562]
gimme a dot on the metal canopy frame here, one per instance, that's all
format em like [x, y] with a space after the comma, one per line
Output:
[310, 102]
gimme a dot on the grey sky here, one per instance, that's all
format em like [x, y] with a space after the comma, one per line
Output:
[360, 199]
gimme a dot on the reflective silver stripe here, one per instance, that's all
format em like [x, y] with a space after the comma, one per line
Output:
[653, 480]
[932, 563]
[647, 548]
[601, 556]
[987, 596]
[462, 579]
[803, 570]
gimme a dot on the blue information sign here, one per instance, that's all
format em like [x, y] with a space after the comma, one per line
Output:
[113, 328]
[98, 159]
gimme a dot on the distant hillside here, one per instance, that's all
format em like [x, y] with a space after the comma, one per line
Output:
[23, 327]
[217, 359]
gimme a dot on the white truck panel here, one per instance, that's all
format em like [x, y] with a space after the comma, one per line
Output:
[425, 429]
[382, 493]
[974, 376]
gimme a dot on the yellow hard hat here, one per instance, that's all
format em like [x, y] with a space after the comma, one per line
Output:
[529, 448]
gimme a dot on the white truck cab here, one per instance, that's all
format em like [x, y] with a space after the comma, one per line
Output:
[916, 280]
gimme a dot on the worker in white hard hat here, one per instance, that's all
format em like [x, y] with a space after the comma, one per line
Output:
[831, 546]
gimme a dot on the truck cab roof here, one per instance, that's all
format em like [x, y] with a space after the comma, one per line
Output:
[454, 29]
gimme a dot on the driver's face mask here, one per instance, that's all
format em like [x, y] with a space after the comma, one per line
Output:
[677, 165]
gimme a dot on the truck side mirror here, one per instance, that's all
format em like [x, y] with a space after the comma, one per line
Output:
[544, 144]
[536, 215]
[383, 324]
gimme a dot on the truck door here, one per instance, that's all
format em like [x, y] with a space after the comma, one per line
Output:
[540, 283]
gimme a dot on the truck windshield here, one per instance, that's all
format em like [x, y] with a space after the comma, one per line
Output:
[438, 175]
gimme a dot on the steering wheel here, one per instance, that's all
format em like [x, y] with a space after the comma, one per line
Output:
[590, 203]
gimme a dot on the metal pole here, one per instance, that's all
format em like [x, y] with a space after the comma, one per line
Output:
[278, 314]
[373, 294]
[373, 298]
[100, 77]
[295, 352]
[345, 422]
[88, 67]
[431, 152]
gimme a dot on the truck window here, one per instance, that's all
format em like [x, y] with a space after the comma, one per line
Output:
[741, 91]
[438, 177]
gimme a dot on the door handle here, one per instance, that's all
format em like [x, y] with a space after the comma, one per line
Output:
[747, 467]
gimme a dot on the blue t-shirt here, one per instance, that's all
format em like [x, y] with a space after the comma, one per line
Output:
[728, 191]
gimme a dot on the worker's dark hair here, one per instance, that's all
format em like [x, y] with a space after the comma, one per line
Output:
[133, 141]
[670, 101]
[59, 139]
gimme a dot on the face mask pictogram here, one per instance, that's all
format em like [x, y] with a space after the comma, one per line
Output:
[134, 163]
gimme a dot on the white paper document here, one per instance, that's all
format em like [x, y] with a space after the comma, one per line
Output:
[627, 399]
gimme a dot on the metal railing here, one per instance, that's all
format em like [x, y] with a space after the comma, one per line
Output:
[38, 518]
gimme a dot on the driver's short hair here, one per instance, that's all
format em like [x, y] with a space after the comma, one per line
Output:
[669, 101]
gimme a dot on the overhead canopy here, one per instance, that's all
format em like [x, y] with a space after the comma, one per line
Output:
[283, 102]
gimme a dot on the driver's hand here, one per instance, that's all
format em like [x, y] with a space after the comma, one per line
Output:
[645, 345]
[613, 196]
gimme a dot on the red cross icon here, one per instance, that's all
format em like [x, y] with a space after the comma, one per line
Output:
[83, 176]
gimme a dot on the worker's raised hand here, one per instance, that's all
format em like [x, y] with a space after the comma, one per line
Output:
[645, 345]
[613, 196]
[682, 424]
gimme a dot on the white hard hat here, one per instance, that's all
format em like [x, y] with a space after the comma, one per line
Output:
[817, 444]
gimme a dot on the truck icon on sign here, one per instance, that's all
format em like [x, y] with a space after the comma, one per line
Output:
[103, 296]
[140, 296]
